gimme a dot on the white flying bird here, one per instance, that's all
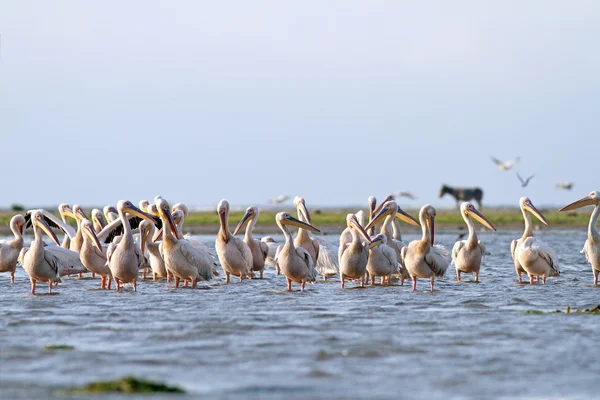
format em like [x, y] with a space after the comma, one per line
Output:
[505, 166]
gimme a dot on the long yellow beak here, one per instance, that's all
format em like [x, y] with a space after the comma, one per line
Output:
[244, 221]
[171, 222]
[361, 230]
[68, 212]
[381, 214]
[295, 222]
[483, 220]
[380, 206]
[80, 215]
[585, 201]
[304, 211]
[138, 213]
[144, 234]
[92, 235]
[375, 242]
[46, 228]
[431, 223]
[404, 216]
[531, 208]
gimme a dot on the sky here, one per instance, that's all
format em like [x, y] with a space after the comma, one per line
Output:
[330, 100]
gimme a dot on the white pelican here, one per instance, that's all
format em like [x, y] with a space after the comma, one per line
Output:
[35, 262]
[9, 250]
[346, 235]
[110, 213]
[303, 238]
[295, 263]
[93, 255]
[98, 220]
[234, 255]
[530, 255]
[182, 207]
[143, 205]
[422, 258]
[157, 263]
[259, 249]
[383, 260]
[591, 248]
[354, 255]
[64, 210]
[372, 206]
[505, 166]
[124, 258]
[467, 254]
[272, 251]
[77, 241]
[181, 258]
[390, 211]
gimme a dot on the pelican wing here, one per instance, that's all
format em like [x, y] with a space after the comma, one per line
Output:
[264, 249]
[437, 259]
[513, 249]
[51, 220]
[198, 258]
[391, 256]
[546, 253]
[244, 251]
[457, 248]
[327, 261]
[317, 248]
[585, 250]
[482, 248]
[305, 255]
[65, 261]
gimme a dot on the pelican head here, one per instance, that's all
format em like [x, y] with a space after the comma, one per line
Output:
[125, 206]
[98, 218]
[144, 205]
[469, 210]
[251, 213]
[107, 210]
[427, 216]
[527, 205]
[65, 211]
[378, 240]
[182, 207]
[352, 223]
[223, 209]
[78, 213]
[178, 215]
[18, 223]
[389, 208]
[372, 204]
[164, 211]
[592, 199]
[388, 198]
[300, 205]
[153, 210]
[284, 218]
[38, 220]
[88, 229]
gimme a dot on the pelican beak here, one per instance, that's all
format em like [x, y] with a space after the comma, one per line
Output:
[361, 230]
[404, 216]
[144, 235]
[80, 215]
[247, 217]
[483, 220]
[92, 235]
[585, 201]
[380, 206]
[68, 212]
[157, 234]
[295, 222]
[21, 228]
[431, 223]
[376, 242]
[100, 220]
[171, 223]
[531, 208]
[138, 213]
[304, 212]
[46, 228]
[381, 214]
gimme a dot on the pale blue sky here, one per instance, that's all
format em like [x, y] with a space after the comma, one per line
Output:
[331, 100]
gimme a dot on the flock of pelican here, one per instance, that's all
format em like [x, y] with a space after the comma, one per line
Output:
[107, 246]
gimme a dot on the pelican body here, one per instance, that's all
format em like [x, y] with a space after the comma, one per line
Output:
[9, 250]
[382, 261]
[259, 249]
[295, 263]
[303, 238]
[354, 255]
[591, 248]
[92, 254]
[234, 255]
[155, 259]
[530, 255]
[467, 254]
[422, 258]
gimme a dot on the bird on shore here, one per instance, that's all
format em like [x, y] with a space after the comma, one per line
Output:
[353, 256]
[259, 249]
[505, 166]
[10, 249]
[234, 254]
[524, 182]
[591, 248]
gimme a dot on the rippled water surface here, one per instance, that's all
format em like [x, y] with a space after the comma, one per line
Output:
[255, 340]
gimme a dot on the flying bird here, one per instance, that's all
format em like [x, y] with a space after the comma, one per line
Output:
[405, 194]
[525, 182]
[505, 166]
[564, 185]
[279, 199]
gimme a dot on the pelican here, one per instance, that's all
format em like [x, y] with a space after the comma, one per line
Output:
[234, 255]
[346, 235]
[390, 211]
[354, 255]
[157, 263]
[64, 210]
[295, 262]
[372, 206]
[505, 166]
[531, 256]
[591, 248]
[272, 250]
[93, 256]
[182, 207]
[181, 258]
[259, 249]
[422, 258]
[110, 213]
[124, 258]
[35, 262]
[467, 254]
[98, 220]
[383, 260]
[9, 250]
[303, 239]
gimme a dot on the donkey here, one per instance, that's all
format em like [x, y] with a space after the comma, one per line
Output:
[463, 194]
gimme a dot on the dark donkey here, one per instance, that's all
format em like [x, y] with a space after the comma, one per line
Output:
[463, 194]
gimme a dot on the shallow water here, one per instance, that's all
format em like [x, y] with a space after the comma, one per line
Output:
[255, 340]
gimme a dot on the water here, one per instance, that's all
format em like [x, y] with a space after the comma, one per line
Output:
[255, 340]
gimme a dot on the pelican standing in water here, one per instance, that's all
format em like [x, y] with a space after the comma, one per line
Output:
[295, 263]
[532, 256]
[9, 250]
[234, 255]
[303, 238]
[354, 256]
[125, 258]
[272, 251]
[467, 254]
[92, 254]
[259, 249]
[36, 264]
[157, 263]
[591, 248]
[422, 258]
[382, 260]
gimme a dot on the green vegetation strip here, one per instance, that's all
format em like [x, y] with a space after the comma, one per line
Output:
[129, 385]
[58, 347]
[568, 310]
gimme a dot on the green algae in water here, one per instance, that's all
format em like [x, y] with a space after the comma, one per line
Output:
[568, 310]
[129, 385]
[58, 347]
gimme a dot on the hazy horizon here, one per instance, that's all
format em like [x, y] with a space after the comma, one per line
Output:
[333, 101]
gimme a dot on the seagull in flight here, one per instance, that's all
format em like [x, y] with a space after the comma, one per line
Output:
[525, 182]
[564, 185]
[505, 166]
